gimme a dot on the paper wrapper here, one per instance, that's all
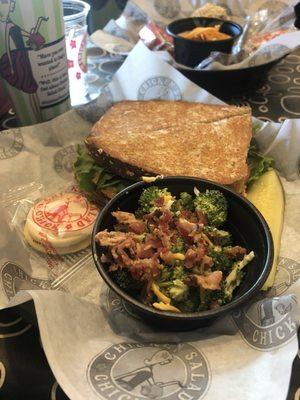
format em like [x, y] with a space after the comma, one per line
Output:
[94, 345]
[256, 17]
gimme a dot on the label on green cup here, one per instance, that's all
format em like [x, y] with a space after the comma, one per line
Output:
[51, 74]
[33, 62]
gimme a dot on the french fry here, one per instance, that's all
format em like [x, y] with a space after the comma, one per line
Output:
[210, 33]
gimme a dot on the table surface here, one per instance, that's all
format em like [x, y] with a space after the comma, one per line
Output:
[23, 365]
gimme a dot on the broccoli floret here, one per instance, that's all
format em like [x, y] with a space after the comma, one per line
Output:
[214, 205]
[149, 197]
[179, 246]
[220, 260]
[179, 291]
[219, 237]
[179, 272]
[166, 275]
[171, 273]
[172, 284]
[209, 296]
[190, 304]
[185, 202]
[123, 278]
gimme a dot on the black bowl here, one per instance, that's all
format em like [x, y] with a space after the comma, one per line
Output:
[246, 225]
[191, 52]
[225, 84]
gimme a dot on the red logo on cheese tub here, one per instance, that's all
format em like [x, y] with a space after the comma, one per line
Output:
[64, 212]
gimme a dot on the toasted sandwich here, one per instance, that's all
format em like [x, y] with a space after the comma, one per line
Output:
[148, 138]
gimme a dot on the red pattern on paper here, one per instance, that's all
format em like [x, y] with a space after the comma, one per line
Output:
[70, 63]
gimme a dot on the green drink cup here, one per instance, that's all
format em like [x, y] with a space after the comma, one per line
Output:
[33, 62]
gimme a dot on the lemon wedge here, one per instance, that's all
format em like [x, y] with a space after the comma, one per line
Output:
[268, 197]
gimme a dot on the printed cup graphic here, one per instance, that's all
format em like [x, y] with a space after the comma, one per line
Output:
[33, 62]
[75, 14]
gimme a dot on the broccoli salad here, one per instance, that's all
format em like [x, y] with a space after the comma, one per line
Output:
[173, 254]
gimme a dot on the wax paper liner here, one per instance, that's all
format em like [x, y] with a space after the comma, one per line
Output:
[256, 17]
[94, 345]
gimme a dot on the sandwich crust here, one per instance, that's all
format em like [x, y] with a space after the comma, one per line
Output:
[136, 138]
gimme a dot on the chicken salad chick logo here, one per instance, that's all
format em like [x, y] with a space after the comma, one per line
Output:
[11, 143]
[14, 278]
[133, 371]
[268, 53]
[288, 272]
[64, 159]
[159, 87]
[133, 12]
[268, 323]
[167, 8]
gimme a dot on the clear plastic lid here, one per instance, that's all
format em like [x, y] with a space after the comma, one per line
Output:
[75, 11]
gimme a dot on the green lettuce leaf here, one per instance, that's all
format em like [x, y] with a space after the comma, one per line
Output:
[258, 163]
[91, 177]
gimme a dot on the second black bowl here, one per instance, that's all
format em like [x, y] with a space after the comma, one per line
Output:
[245, 223]
[191, 52]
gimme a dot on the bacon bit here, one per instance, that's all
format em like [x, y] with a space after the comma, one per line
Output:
[146, 293]
[207, 240]
[104, 258]
[121, 258]
[236, 252]
[164, 238]
[140, 271]
[162, 297]
[113, 238]
[159, 202]
[188, 215]
[173, 238]
[155, 242]
[214, 305]
[199, 227]
[145, 269]
[207, 262]
[196, 236]
[114, 267]
[153, 216]
[194, 255]
[129, 244]
[211, 281]
[124, 217]
[201, 217]
[165, 307]
[149, 248]
[148, 288]
[119, 254]
[185, 227]
[164, 220]
[145, 250]
[138, 227]
[166, 216]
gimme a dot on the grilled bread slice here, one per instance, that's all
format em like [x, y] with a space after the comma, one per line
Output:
[137, 138]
